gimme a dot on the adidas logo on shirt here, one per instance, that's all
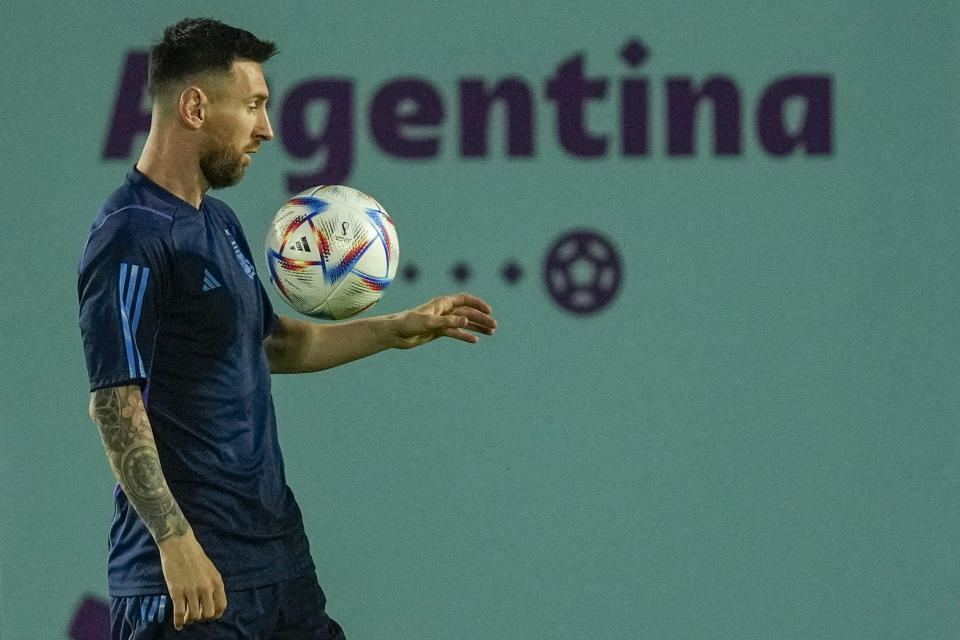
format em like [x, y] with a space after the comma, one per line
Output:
[209, 282]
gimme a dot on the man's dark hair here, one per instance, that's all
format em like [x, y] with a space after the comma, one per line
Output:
[202, 45]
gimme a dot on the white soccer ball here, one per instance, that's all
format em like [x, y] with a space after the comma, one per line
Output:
[332, 251]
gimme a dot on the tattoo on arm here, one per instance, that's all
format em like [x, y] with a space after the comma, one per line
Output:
[128, 440]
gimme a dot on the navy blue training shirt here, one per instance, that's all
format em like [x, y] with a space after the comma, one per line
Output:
[170, 300]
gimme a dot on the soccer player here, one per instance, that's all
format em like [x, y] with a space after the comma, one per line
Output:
[180, 341]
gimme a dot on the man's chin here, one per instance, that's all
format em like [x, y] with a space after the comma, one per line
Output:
[221, 181]
[224, 184]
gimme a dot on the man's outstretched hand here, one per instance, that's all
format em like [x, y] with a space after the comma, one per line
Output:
[459, 316]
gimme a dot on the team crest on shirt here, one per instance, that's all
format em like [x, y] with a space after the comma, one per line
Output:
[242, 259]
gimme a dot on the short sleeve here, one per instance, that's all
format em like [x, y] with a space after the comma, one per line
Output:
[269, 315]
[121, 288]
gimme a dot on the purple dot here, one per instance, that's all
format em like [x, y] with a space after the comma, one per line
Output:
[634, 53]
[411, 272]
[460, 272]
[512, 272]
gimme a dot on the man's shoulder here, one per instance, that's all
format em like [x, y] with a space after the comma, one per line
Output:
[129, 222]
[130, 206]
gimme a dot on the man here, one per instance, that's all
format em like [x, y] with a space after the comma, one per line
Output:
[206, 530]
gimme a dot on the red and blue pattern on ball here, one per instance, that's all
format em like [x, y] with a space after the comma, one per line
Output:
[352, 257]
[317, 206]
[377, 218]
[374, 284]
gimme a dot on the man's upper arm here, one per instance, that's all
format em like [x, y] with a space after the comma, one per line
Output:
[121, 286]
[275, 344]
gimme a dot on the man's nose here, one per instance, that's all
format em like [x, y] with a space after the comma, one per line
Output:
[263, 131]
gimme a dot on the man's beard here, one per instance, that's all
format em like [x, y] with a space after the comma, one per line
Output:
[220, 164]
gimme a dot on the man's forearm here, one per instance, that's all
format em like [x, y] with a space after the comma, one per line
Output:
[128, 440]
[297, 346]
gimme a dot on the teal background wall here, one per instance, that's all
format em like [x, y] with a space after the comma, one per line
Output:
[758, 439]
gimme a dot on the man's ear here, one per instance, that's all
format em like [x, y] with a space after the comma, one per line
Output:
[193, 107]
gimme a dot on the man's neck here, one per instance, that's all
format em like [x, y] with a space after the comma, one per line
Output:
[173, 166]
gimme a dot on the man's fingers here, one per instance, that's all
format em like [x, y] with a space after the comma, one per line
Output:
[193, 608]
[178, 610]
[478, 320]
[467, 300]
[462, 320]
[445, 304]
[431, 322]
[219, 601]
[479, 328]
[460, 334]
[208, 610]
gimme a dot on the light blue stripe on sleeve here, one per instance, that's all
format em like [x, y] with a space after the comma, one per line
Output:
[133, 284]
[123, 317]
[127, 305]
[136, 318]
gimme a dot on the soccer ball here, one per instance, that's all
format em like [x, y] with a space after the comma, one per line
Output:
[332, 251]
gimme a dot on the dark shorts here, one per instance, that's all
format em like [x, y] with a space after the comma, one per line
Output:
[285, 611]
